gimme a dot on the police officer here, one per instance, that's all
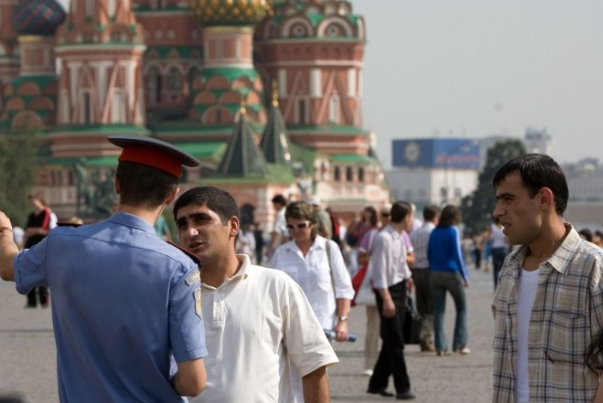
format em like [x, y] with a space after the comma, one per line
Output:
[126, 305]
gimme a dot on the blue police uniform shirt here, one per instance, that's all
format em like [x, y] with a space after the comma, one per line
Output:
[125, 304]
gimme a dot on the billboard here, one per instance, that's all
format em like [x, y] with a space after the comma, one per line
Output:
[436, 153]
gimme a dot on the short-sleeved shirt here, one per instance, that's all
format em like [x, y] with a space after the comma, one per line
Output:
[566, 317]
[420, 240]
[257, 324]
[124, 305]
[313, 274]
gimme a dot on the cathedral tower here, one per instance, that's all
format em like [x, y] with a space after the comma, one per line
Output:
[100, 49]
[9, 47]
[314, 49]
[228, 77]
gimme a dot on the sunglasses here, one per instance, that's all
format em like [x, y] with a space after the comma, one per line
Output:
[301, 225]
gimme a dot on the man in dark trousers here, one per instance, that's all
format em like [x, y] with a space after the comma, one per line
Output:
[391, 277]
[38, 225]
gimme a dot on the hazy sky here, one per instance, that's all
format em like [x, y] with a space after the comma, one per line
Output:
[473, 68]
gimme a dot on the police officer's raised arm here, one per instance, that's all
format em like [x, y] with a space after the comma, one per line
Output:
[8, 249]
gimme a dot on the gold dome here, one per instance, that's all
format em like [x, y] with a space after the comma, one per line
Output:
[229, 12]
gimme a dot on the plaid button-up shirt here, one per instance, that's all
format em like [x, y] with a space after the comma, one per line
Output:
[567, 315]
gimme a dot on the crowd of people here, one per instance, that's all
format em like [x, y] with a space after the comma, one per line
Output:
[258, 322]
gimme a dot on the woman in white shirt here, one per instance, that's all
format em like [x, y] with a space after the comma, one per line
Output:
[317, 265]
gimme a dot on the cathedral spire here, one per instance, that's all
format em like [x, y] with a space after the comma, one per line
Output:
[242, 157]
[275, 140]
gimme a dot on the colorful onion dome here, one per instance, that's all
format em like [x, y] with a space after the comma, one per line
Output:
[229, 12]
[38, 17]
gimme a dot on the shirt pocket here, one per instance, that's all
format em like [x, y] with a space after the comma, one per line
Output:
[566, 336]
[319, 272]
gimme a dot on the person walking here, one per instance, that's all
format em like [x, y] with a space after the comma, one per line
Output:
[364, 295]
[126, 305]
[498, 247]
[421, 274]
[36, 229]
[279, 234]
[448, 273]
[356, 231]
[548, 305]
[258, 321]
[391, 277]
[317, 265]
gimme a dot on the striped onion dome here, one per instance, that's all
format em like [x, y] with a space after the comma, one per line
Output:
[38, 17]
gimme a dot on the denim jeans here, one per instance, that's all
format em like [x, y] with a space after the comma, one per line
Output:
[452, 282]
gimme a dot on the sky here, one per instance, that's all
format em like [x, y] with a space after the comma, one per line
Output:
[474, 68]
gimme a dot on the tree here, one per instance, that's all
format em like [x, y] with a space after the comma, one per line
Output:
[477, 207]
[18, 171]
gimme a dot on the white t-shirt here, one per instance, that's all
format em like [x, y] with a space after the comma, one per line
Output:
[527, 284]
[313, 274]
[258, 327]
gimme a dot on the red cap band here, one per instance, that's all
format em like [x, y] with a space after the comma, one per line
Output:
[152, 157]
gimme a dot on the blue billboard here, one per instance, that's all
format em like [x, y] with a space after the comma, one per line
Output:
[436, 153]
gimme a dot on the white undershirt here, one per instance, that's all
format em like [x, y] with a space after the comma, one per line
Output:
[527, 284]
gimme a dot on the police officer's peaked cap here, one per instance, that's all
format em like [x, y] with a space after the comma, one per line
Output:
[154, 153]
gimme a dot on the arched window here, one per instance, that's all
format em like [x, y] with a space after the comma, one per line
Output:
[301, 111]
[337, 174]
[154, 84]
[360, 174]
[349, 176]
[174, 80]
[323, 171]
[334, 109]
[193, 73]
[89, 9]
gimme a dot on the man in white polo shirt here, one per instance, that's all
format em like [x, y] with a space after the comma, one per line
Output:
[258, 322]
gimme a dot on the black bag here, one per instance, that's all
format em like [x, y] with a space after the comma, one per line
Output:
[412, 323]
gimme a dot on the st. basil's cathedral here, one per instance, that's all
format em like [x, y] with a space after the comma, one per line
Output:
[267, 94]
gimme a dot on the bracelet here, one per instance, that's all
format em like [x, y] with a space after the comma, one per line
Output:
[2, 229]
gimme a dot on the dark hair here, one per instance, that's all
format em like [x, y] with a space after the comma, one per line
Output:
[430, 212]
[217, 200]
[450, 216]
[280, 199]
[374, 219]
[400, 210]
[587, 234]
[301, 210]
[142, 185]
[537, 171]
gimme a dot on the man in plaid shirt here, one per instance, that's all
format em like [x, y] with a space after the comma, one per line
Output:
[548, 306]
